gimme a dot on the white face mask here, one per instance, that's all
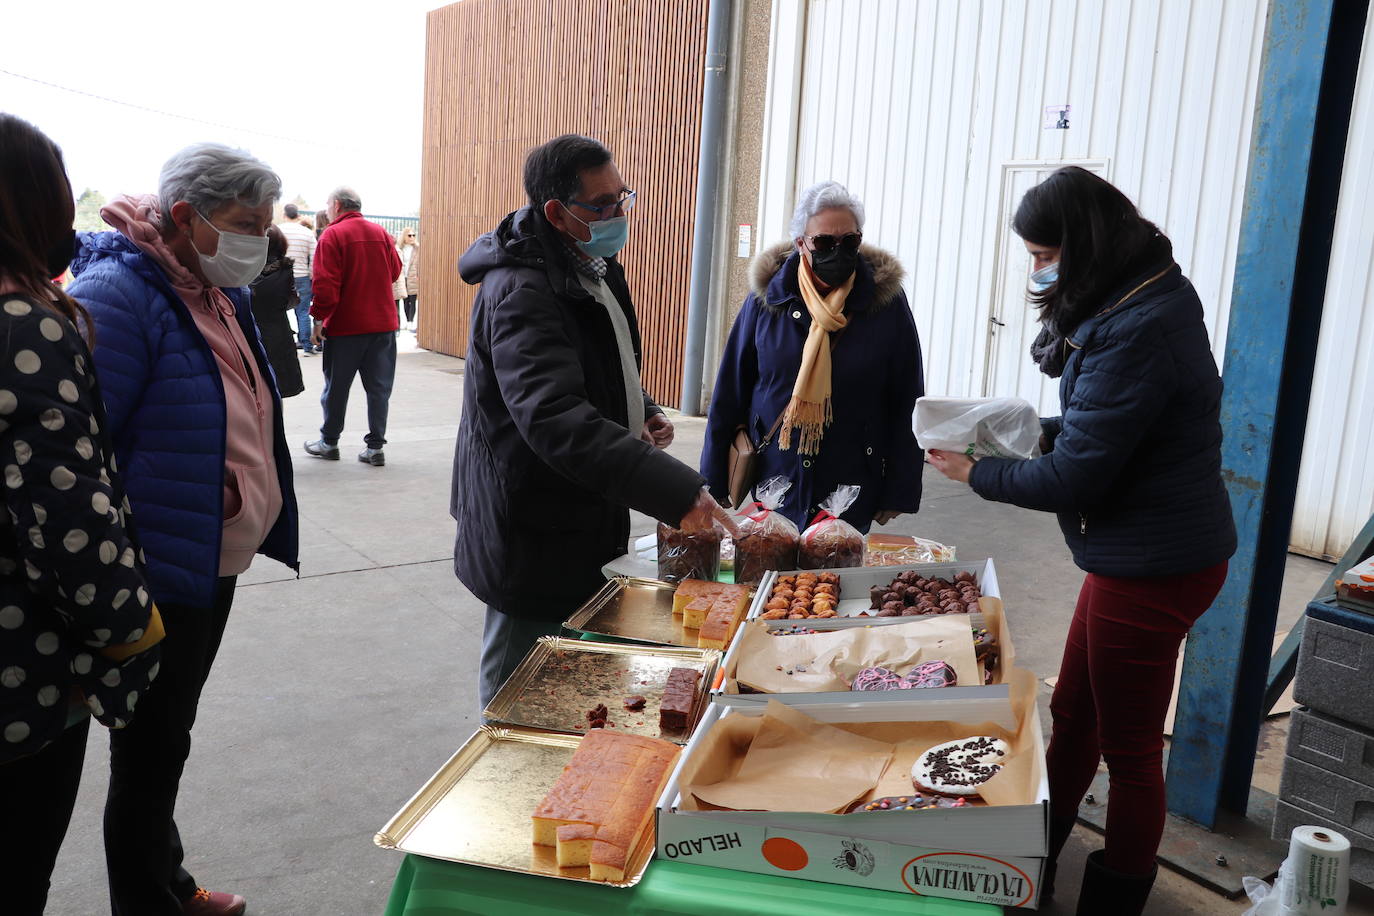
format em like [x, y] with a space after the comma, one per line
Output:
[237, 261]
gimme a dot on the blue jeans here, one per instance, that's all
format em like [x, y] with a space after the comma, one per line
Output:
[304, 290]
[372, 356]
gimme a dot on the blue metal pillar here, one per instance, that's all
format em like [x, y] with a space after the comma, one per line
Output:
[1302, 116]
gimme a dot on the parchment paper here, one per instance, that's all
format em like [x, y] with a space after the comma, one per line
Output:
[828, 661]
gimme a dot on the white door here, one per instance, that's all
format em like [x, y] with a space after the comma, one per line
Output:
[1013, 323]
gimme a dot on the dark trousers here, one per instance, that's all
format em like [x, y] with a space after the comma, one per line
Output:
[143, 851]
[37, 794]
[506, 640]
[1112, 698]
[410, 308]
[372, 356]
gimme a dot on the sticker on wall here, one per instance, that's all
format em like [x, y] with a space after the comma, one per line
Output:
[745, 245]
[1056, 117]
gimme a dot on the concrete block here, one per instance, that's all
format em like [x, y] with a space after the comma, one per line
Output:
[1333, 745]
[1336, 672]
[1336, 798]
[1288, 816]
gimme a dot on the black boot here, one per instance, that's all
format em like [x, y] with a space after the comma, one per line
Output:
[1111, 893]
[1060, 828]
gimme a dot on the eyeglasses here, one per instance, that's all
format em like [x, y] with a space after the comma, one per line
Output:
[849, 241]
[624, 204]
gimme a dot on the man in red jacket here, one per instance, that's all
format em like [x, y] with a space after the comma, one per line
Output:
[355, 322]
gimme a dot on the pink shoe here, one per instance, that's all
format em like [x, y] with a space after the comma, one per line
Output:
[206, 903]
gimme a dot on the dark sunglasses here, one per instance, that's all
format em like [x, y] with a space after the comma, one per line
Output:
[849, 242]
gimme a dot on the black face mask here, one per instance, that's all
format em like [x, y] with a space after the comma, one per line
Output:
[59, 256]
[833, 267]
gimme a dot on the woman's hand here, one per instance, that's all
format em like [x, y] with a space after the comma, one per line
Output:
[951, 464]
[885, 516]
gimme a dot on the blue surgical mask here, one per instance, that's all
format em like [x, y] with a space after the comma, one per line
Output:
[608, 236]
[1044, 278]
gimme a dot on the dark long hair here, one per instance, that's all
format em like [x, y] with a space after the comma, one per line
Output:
[36, 213]
[1103, 242]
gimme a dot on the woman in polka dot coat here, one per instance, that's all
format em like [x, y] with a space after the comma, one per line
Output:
[77, 628]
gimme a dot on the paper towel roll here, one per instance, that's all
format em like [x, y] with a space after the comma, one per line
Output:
[1319, 873]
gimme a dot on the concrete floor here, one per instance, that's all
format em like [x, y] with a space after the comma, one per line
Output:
[337, 695]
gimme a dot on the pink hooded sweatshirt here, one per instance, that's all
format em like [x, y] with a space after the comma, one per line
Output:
[252, 494]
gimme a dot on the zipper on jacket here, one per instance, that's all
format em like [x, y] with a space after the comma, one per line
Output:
[1082, 523]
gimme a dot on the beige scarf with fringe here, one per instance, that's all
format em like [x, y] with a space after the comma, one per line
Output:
[810, 410]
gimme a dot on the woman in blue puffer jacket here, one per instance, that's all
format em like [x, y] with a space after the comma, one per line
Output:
[1133, 470]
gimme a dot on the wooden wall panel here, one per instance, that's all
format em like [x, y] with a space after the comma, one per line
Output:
[503, 76]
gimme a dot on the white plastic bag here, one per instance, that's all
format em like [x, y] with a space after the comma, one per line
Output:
[979, 427]
[1266, 900]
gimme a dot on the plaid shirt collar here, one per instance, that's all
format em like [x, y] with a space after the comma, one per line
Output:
[594, 268]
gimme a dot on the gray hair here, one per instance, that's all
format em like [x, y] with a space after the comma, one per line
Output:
[209, 175]
[825, 195]
[346, 198]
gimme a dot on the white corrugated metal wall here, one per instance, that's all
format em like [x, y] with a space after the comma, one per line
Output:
[932, 111]
[1336, 485]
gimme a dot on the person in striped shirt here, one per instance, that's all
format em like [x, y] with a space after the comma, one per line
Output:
[300, 247]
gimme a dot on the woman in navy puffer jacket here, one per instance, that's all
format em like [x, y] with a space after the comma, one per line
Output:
[1133, 470]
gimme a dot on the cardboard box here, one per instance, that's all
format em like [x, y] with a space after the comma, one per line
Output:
[983, 853]
[857, 581]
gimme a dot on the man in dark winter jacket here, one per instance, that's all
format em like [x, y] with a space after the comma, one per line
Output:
[558, 439]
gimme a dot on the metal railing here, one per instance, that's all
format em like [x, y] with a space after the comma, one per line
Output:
[392, 224]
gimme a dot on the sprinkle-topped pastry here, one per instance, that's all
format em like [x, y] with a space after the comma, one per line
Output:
[959, 767]
[933, 673]
[908, 803]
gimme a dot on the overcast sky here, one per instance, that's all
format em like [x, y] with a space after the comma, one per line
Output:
[327, 93]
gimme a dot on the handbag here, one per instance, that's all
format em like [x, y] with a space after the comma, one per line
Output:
[743, 462]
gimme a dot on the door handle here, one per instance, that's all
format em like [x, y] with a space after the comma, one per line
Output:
[993, 319]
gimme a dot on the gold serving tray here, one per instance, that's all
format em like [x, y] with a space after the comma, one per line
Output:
[636, 610]
[561, 679]
[476, 810]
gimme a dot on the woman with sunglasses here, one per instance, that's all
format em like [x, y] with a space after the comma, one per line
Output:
[1133, 469]
[407, 285]
[823, 369]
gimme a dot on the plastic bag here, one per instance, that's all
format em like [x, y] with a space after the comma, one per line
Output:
[829, 542]
[767, 538]
[1267, 899]
[689, 556]
[979, 427]
[902, 550]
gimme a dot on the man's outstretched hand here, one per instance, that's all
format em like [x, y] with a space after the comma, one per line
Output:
[705, 511]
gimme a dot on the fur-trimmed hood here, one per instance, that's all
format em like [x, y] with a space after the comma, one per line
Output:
[887, 271]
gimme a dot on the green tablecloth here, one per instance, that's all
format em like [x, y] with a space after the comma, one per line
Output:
[428, 887]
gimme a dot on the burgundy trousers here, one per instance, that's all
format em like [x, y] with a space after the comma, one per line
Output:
[1112, 697]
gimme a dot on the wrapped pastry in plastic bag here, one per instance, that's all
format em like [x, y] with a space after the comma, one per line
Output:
[767, 538]
[829, 542]
[684, 555]
[979, 427]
